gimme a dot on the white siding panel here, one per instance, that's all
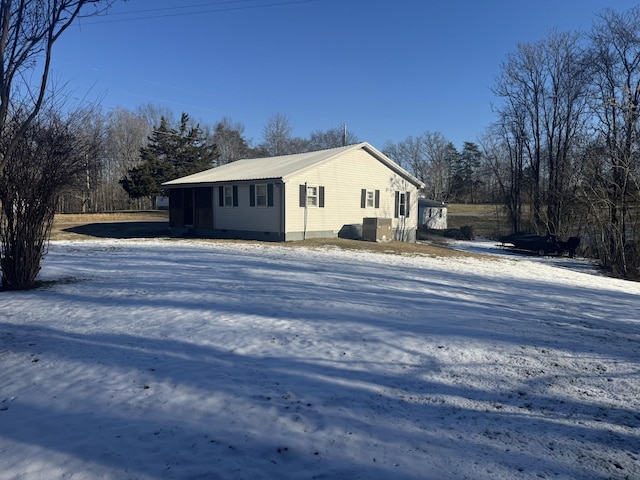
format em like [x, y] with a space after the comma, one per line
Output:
[343, 178]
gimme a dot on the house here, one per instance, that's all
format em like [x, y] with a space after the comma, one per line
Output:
[320, 194]
[432, 214]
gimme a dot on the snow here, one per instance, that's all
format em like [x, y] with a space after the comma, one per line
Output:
[187, 359]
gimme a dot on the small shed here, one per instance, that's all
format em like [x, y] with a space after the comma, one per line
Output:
[432, 214]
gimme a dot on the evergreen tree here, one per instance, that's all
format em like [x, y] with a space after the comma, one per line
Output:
[464, 178]
[171, 153]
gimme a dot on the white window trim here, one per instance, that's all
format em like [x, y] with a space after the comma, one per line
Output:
[316, 196]
[230, 197]
[402, 205]
[370, 200]
[266, 200]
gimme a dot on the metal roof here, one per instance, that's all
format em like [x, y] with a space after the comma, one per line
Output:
[280, 167]
[426, 202]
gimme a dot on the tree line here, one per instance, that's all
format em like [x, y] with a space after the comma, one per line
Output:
[562, 156]
[141, 149]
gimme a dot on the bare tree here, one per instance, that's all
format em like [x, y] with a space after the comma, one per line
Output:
[521, 86]
[230, 142]
[153, 114]
[441, 153]
[49, 157]
[126, 133]
[564, 118]
[429, 158]
[504, 152]
[84, 193]
[28, 31]
[544, 89]
[276, 135]
[332, 138]
[613, 185]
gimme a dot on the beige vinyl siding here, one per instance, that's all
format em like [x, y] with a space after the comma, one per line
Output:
[247, 218]
[343, 178]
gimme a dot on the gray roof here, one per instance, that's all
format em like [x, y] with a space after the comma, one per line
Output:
[280, 167]
[425, 202]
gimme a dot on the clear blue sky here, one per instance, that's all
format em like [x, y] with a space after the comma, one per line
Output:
[387, 69]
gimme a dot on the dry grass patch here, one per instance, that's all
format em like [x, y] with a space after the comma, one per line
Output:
[83, 218]
[154, 224]
[395, 248]
[489, 221]
[391, 248]
[86, 226]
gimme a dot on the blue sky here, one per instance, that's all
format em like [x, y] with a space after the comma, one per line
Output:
[386, 69]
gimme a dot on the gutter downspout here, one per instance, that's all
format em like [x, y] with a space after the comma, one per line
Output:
[283, 212]
[304, 229]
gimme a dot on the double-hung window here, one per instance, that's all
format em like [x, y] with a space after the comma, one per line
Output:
[261, 195]
[369, 198]
[402, 204]
[228, 196]
[312, 196]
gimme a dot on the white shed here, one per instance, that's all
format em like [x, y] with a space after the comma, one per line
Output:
[320, 194]
[432, 214]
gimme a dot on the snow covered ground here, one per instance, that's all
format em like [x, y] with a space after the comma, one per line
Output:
[193, 360]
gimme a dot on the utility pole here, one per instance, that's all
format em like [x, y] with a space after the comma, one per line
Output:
[344, 134]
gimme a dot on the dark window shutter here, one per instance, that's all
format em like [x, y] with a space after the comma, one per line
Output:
[397, 207]
[235, 195]
[221, 196]
[377, 198]
[303, 195]
[406, 207]
[321, 197]
[270, 195]
[363, 198]
[252, 195]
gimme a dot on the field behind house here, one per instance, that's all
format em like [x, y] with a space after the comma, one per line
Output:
[488, 221]
[129, 224]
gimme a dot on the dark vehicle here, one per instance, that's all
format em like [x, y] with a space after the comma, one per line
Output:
[540, 244]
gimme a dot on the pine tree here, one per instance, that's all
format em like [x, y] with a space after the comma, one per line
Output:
[171, 153]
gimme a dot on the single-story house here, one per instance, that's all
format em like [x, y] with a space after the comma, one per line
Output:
[432, 214]
[320, 194]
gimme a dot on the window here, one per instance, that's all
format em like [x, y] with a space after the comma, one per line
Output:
[369, 198]
[261, 195]
[402, 204]
[312, 196]
[228, 196]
